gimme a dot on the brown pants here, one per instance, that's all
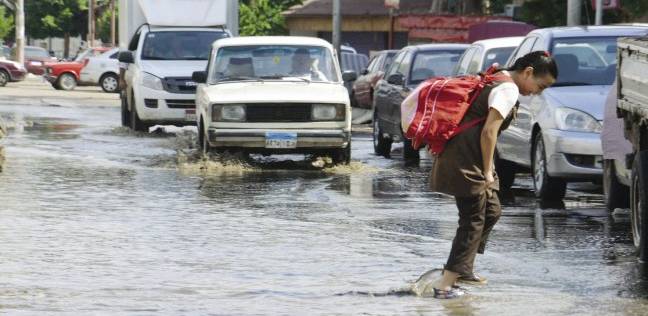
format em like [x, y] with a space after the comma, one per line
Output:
[477, 216]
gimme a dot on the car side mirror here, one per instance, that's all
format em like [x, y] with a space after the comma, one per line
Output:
[126, 57]
[349, 76]
[199, 76]
[396, 79]
[365, 71]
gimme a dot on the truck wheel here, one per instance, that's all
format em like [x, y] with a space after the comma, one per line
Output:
[545, 186]
[616, 195]
[135, 123]
[409, 153]
[66, 82]
[639, 204]
[382, 145]
[109, 83]
[506, 173]
[125, 113]
[203, 143]
[4, 78]
[342, 155]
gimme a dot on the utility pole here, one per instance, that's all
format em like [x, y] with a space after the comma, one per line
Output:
[112, 24]
[91, 30]
[599, 12]
[337, 28]
[573, 12]
[20, 31]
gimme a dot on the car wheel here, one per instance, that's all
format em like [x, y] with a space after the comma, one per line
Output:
[203, 142]
[382, 145]
[66, 82]
[409, 153]
[135, 123]
[109, 83]
[639, 204]
[545, 186]
[4, 78]
[342, 155]
[616, 195]
[125, 113]
[506, 173]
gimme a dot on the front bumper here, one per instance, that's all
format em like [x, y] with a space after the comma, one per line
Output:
[159, 106]
[18, 74]
[573, 155]
[50, 78]
[255, 139]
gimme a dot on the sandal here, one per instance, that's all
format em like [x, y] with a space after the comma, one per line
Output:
[472, 278]
[449, 294]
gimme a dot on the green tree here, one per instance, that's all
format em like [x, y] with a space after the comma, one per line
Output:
[547, 13]
[58, 18]
[263, 17]
[6, 23]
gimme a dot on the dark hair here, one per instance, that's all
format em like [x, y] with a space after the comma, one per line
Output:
[541, 62]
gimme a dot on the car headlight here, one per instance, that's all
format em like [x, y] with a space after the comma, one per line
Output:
[228, 112]
[328, 112]
[151, 81]
[576, 121]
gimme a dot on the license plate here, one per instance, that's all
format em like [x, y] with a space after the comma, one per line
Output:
[281, 140]
[190, 115]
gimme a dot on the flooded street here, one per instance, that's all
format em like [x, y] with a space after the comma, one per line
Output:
[95, 219]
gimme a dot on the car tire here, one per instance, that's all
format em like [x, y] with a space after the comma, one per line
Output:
[203, 142]
[66, 82]
[506, 173]
[109, 83]
[639, 204]
[342, 156]
[135, 123]
[615, 194]
[382, 145]
[125, 113]
[4, 77]
[546, 187]
[409, 153]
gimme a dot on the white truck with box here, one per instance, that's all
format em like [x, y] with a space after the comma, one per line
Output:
[163, 42]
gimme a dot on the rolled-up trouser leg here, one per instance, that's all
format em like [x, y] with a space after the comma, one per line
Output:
[493, 213]
[472, 212]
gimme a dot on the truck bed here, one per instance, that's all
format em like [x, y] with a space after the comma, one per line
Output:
[633, 78]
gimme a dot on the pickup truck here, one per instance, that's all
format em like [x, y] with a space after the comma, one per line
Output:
[632, 107]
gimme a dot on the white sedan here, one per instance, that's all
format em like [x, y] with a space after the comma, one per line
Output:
[103, 70]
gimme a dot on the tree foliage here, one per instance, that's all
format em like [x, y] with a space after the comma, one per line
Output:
[547, 13]
[55, 18]
[263, 17]
[6, 23]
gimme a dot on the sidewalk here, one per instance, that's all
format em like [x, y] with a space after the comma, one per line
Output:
[35, 90]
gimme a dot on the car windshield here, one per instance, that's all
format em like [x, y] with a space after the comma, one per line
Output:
[274, 62]
[179, 45]
[585, 61]
[435, 63]
[36, 52]
[388, 60]
[496, 55]
[86, 54]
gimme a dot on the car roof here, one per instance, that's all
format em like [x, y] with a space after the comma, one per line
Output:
[597, 30]
[437, 46]
[512, 41]
[271, 40]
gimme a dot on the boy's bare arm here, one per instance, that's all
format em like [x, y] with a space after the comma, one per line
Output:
[488, 139]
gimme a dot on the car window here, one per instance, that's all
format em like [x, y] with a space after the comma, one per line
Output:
[496, 55]
[179, 45]
[584, 61]
[404, 66]
[539, 45]
[36, 52]
[475, 61]
[114, 56]
[523, 49]
[372, 63]
[394, 66]
[436, 63]
[464, 61]
[389, 58]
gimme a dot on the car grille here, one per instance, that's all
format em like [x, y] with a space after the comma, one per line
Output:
[179, 85]
[181, 104]
[276, 112]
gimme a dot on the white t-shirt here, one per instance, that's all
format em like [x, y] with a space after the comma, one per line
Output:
[503, 97]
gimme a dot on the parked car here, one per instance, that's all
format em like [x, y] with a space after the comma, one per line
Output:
[273, 95]
[352, 63]
[102, 70]
[363, 87]
[557, 134]
[5, 52]
[412, 65]
[483, 54]
[35, 59]
[11, 71]
[67, 75]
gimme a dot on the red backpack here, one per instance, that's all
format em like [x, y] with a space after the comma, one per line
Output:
[432, 113]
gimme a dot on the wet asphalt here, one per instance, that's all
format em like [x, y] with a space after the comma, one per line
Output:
[95, 219]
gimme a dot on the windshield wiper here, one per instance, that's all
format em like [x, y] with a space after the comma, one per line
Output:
[153, 58]
[236, 78]
[278, 76]
[570, 83]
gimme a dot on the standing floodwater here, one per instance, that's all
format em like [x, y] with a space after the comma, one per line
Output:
[96, 219]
